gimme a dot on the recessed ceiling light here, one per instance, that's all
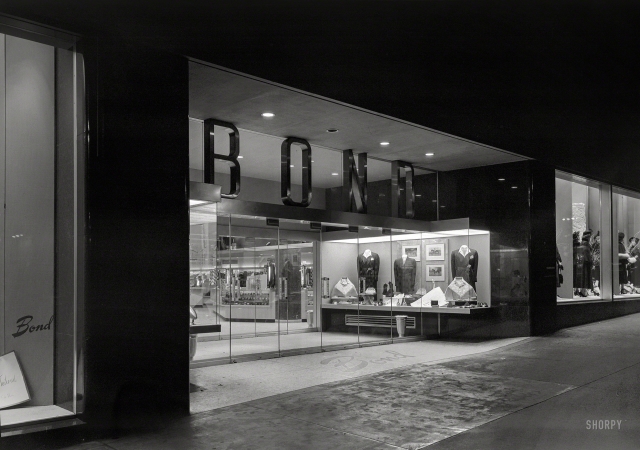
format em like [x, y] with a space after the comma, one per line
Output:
[418, 195]
[514, 187]
[291, 165]
[500, 179]
[268, 115]
[332, 130]
[240, 157]
[384, 144]
[429, 154]
[335, 174]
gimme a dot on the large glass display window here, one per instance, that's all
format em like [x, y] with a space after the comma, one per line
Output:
[42, 242]
[580, 240]
[282, 286]
[626, 237]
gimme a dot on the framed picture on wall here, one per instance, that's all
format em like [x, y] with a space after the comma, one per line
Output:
[434, 252]
[412, 251]
[435, 272]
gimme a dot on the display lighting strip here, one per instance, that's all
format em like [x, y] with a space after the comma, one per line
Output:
[411, 236]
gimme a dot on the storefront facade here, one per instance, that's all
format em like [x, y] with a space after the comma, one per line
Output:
[293, 258]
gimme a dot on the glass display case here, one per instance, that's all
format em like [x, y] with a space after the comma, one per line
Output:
[626, 237]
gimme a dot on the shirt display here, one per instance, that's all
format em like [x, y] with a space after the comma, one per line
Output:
[368, 267]
[404, 270]
[344, 289]
[460, 290]
[464, 263]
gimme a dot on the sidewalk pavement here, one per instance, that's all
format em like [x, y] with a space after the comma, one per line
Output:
[576, 389]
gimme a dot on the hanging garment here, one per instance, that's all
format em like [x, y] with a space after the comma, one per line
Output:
[460, 290]
[344, 289]
[368, 267]
[308, 277]
[634, 269]
[404, 270]
[465, 265]
[270, 270]
[622, 265]
[582, 266]
[559, 279]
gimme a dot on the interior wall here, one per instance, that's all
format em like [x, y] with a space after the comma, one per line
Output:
[338, 260]
[564, 230]
[29, 211]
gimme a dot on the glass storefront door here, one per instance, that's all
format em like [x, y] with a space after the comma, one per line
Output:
[297, 304]
[251, 300]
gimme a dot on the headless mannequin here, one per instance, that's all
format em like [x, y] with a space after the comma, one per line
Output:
[366, 253]
[464, 250]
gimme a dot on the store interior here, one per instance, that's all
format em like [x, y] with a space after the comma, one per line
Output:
[267, 285]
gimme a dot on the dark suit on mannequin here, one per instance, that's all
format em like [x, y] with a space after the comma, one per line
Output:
[405, 274]
[465, 266]
[368, 267]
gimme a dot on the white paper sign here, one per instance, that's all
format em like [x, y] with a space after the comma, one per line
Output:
[13, 388]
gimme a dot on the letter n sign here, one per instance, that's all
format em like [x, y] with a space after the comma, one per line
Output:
[396, 189]
[210, 155]
[285, 172]
[354, 182]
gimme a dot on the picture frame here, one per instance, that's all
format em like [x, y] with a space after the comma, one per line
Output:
[435, 272]
[412, 251]
[434, 252]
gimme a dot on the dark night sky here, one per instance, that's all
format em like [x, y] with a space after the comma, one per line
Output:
[553, 80]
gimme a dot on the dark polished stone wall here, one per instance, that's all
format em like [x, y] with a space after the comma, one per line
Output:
[137, 348]
[570, 315]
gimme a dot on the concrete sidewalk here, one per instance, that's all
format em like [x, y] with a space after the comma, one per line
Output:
[576, 389]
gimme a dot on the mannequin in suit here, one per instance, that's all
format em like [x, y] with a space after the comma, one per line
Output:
[404, 270]
[464, 263]
[368, 267]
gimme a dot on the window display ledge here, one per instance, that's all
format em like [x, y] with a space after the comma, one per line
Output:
[582, 301]
[36, 418]
[433, 309]
[626, 297]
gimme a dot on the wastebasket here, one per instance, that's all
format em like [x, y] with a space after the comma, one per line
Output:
[193, 345]
[401, 325]
[310, 318]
